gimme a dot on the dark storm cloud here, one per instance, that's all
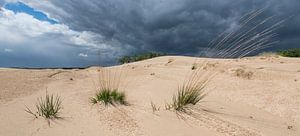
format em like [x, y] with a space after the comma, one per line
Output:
[119, 27]
[172, 26]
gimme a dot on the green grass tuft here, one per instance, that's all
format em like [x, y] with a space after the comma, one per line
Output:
[48, 107]
[107, 96]
[187, 95]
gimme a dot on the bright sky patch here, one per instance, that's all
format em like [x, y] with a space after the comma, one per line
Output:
[23, 8]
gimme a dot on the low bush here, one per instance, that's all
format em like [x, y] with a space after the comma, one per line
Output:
[149, 55]
[290, 52]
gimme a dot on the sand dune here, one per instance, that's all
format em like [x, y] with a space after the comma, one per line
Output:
[256, 96]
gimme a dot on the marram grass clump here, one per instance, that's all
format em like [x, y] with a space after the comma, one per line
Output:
[48, 107]
[186, 95]
[108, 96]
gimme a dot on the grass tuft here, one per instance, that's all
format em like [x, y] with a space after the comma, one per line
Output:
[187, 94]
[111, 81]
[107, 96]
[48, 107]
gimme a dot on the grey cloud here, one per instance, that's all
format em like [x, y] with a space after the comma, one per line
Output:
[178, 27]
[49, 45]
[171, 26]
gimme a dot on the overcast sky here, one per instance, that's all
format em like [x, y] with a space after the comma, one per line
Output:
[65, 33]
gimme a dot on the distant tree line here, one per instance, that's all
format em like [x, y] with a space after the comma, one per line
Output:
[290, 52]
[139, 57]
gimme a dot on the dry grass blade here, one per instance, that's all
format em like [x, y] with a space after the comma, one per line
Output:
[30, 112]
[154, 107]
[249, 35]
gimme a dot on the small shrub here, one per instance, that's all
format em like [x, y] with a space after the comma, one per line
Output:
[125, 59]
[194, 67]
[48, 107]
[108, 96]
[290, 52]
[144, 56]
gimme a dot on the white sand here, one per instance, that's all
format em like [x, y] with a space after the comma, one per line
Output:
[266, 104]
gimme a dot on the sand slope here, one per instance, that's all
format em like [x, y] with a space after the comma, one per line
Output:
[265, 102]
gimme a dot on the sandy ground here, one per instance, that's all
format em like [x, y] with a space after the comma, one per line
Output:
[263, 102]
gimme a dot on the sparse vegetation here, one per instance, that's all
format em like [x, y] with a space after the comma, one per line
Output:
[194, 66]
[48, 107]
[109, 92]
[187, 94]
[268, 54]
[249, 36]
[244, 74]
[208, 66]
[149, 55]
[170, 61]
[290, 52]
[108, 96]
[154, 107]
